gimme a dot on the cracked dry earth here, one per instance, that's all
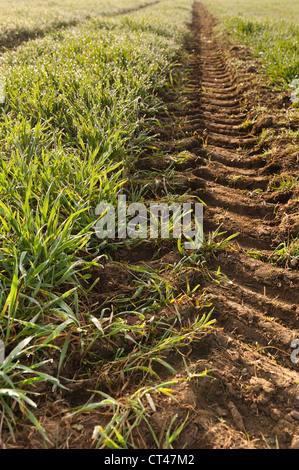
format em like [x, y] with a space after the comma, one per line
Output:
[253, 399]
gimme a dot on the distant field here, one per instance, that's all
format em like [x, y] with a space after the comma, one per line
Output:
[29, 17]
[270, 28]
[256, 9]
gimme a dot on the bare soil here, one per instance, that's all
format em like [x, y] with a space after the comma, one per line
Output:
[250, 398]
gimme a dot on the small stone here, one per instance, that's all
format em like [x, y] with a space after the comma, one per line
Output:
[221, 411]
[295, 414]
[258, 384]
[295, 443]
[237, 418]
[282, 430]
[276, 414]
[78, 427]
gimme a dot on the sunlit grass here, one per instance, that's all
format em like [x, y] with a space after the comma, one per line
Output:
[270, 29]
[287, 254]
[255, 9]
[21, 20]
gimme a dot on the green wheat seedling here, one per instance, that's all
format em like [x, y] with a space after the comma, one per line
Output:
[127, 414]
[287, 254]
[14, 380]
[209, 245]
[283, 183]
[33, 18]
[79, 107]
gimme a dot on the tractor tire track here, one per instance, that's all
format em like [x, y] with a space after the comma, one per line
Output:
[255, 391]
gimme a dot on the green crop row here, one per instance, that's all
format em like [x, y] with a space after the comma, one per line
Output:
[27, 18]
[79, 105]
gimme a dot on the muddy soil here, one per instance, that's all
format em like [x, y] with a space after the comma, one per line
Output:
[250, 397]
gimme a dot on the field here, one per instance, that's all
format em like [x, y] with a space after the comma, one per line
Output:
[25, 19]
[136, 342]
